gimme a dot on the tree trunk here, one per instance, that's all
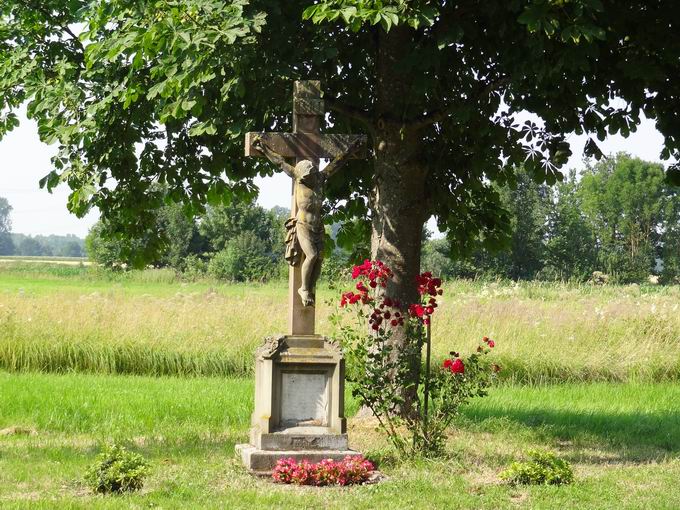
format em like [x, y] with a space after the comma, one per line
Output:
[398, 203]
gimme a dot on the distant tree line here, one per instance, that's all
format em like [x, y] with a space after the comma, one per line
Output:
[48, 246]
[620, 218]
[236, 242]
[6, 244]
[35, 246]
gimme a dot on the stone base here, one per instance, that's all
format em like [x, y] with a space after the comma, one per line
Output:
[299, 438]
[262, 462]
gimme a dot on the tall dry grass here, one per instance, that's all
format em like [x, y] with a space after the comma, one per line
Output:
[155, 325]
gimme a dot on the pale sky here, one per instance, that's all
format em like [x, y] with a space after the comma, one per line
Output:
[24, 160]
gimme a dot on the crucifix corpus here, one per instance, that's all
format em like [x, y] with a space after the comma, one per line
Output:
[305, 237]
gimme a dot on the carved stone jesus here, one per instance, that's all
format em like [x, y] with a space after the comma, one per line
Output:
[306, 231]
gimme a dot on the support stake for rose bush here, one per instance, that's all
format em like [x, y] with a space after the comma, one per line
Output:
[428, 343]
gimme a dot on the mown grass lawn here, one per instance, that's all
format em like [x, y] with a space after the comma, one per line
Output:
[623, 439]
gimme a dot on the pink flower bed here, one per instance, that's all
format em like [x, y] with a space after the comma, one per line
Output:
[349, 471]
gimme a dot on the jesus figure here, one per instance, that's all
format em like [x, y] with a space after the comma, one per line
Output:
[306, 231]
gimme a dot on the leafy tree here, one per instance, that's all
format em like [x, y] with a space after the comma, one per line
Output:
[106, 248]
[670, 250]
[571, 249]
[624, 199]
[164, 91]
[72, 249]
[226, 222]
[182, 236]
[243, 258]
[6, 244]
[526, 202]
[32, 247]
[437, 258]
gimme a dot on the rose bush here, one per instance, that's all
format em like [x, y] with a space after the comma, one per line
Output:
[366, 320]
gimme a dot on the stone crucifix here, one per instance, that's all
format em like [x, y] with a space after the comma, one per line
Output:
[305, 238]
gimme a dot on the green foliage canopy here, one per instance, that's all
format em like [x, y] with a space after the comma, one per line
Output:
[142, 92]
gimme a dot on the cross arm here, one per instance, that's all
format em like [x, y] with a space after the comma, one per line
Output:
[337, 163]
[312, 146]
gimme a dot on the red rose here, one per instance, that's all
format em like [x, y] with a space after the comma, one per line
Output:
[457, 367]
[447, 363]
[492, 344]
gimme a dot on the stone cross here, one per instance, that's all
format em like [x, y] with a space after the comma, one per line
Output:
[305, 143]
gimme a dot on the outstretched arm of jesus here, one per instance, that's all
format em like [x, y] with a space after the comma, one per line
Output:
[272, 156]
[338, 162]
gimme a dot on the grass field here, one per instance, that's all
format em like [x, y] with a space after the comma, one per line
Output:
[66, 318]
[67, 333]
[623, 439]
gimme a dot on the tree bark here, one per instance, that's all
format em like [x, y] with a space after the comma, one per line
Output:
[398, 204]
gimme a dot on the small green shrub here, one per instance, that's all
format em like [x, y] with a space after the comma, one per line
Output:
[117, 470]
[544, 468]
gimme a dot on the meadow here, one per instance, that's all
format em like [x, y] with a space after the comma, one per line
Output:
[164, 366]
[61, 319]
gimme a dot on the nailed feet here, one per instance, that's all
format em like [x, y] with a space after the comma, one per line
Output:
[306, 296]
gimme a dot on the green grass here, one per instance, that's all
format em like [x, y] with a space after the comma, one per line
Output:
[70, 318]
[623, 439]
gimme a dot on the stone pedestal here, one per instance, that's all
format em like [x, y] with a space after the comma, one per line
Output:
[299, 403]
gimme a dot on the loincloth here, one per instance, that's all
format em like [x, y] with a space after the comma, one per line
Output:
[293, 249]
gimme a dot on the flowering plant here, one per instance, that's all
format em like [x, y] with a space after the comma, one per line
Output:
[349, 471]
[380, 368]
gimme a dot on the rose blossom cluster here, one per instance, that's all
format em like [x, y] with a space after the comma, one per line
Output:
[427, 286]
[376, 274]
[390, 311]
[488, 342]
[349, 471]
[456, 366]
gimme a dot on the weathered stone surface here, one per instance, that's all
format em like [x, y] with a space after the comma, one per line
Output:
[319, 439]
[304, 398]
[307, 145]
[262, 462]
[308, 106]
[299, 380]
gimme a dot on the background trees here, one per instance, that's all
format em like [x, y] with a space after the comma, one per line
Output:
[6, 244]
[163, 91]
[621, 218]
[233, 242]
[625, 200]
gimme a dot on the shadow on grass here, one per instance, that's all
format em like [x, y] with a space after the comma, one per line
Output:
[625, 437]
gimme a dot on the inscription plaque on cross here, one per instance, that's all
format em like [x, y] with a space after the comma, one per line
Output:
[306, 145]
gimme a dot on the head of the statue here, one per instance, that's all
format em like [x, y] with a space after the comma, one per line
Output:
[305, 168]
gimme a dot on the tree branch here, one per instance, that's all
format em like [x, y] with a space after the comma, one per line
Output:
[49, 17]
[349, 111]
[441, 114]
